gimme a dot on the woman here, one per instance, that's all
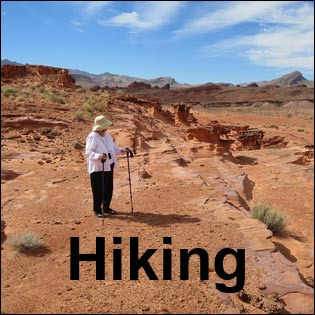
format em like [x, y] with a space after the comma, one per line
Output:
[101, 151]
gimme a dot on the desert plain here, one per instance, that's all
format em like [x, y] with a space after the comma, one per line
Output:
[196, 173]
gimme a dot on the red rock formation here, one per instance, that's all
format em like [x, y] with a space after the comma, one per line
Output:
[132, 99]
[275, 142]
[181, 114]
[305, 158]
[95, 88]
[30, 122]
[246, 138]
[37, 76]
[214, 135]
[138, 86]
[9, 72]
[156, 111]
[236, 138]
[180, 117]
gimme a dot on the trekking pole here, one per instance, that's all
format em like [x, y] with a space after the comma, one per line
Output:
[103, 186]
[129, 152]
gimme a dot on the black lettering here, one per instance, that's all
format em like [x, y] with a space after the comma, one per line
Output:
[167, 259]
[184, 263]
[117, 263]
[76, 257]
[142, 262]
[239, 272]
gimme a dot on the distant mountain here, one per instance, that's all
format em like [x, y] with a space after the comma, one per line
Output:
[88, 80]
[291, 79]
[8, 62]
[112, 80]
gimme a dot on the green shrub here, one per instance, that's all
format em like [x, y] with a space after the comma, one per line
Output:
[78, 116]
[26, 242]
[43, 90]
[92, 107]
[276, 222]
[9, 92]
[56, 99]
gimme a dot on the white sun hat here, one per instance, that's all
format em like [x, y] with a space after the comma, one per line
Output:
[101, 123]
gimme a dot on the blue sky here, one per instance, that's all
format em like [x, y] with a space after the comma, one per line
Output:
[191, 41]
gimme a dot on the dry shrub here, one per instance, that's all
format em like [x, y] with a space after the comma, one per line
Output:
[26, 242]
[276, 221]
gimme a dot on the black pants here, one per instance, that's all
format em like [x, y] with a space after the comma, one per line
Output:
[96, 183]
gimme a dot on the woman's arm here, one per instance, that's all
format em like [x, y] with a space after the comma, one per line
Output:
[90, 149]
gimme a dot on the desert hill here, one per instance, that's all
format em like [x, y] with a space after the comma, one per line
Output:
[291, 79]
[224, 95]
[196, 173]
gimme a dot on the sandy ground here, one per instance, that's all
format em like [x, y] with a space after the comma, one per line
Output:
[196, 203]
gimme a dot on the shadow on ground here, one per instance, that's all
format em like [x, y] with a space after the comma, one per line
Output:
[245, 160]
[156, 219]
[36, 252]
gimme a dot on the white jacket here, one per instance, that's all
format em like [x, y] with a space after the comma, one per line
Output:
[95, 145]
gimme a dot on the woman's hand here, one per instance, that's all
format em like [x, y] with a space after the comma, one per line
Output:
[102, 156]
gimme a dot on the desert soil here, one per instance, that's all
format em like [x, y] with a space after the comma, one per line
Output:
[180, 189]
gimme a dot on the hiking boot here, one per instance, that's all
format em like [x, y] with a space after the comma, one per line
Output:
[99, 214]
[110, 211]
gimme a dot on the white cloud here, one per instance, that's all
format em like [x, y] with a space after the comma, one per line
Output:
[303, 15]
[283, 47]
[287, 48]
[148, 15]
[284, 32]
[233, 13]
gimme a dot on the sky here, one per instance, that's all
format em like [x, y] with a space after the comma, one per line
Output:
[194, 42]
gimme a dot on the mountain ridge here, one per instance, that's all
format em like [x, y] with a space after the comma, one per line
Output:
[88, 80]
[112, 80]
[290, 79]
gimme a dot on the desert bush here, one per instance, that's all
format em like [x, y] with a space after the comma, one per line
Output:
[56, 99]
[43, 90]
[7, 92]
[78, 116]
[77, 145]
[26, 242]
[272, 126]
[300, 130]
[21, 99]
[276, 221]
[92, 105]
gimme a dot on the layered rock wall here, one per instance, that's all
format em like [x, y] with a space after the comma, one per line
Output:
[37, 76]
